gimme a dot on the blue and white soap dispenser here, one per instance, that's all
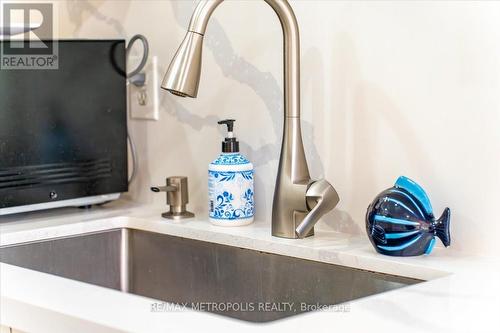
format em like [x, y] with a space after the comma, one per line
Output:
[230, 184]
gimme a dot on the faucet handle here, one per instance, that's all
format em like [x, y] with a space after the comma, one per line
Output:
[321, 198]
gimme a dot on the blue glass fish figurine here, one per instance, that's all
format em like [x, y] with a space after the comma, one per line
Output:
[400, 221]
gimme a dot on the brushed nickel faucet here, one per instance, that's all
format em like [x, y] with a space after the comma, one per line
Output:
[298, 201]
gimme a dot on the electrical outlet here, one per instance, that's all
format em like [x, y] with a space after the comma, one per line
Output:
[144, 102]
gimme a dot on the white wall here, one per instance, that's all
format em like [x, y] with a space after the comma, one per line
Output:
[388, 88]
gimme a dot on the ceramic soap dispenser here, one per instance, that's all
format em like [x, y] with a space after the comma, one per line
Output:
[230, 184]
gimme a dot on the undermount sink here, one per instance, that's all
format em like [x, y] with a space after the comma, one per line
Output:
[205, 275]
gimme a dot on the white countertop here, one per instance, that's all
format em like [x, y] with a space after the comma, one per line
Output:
[463, 294]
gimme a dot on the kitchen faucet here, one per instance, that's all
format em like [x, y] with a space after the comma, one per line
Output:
[298, 201]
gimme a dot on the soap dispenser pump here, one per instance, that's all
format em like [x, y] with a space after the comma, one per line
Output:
[230, 184]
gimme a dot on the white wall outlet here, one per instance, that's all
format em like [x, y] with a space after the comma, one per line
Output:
[144, 102]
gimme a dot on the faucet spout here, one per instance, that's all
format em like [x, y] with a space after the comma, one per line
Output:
[290, 204]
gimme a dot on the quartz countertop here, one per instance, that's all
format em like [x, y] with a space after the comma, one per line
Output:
[461, 294]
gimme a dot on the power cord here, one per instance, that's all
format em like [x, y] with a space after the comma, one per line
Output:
[145, 54]
[130, 77]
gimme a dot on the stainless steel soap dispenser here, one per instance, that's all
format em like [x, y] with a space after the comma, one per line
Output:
[230, 184]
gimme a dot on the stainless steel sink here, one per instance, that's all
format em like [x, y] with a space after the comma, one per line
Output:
[208, 276]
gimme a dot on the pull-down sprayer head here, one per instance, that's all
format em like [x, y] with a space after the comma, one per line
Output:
[183, 74]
